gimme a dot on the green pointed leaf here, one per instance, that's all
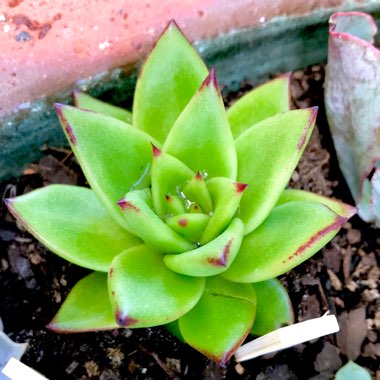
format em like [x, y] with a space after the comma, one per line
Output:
[274, 309]
[262, 102]
[339, 207]
[278, 143]
[212, 258]
[145, 293]
[221, 320]
[196, 191]
[352, 371]
[226, 195]
[190, 226]
[175, 204]
[87, 102]
[201, 137]
[169, 175]
[86, 308]
[72, 223]
[170, 76]
[114, 156]
[292, 233]
[142, 221]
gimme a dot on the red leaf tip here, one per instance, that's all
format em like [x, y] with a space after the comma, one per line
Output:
[313, 114]
[173, 24]
[198, 176]
[210, 81]
[240, 187]
[8, 202]
[156, 151]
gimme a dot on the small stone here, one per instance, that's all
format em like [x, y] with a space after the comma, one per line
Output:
[371, 335]
[353, 236]
[370, 295]
[372, 350]
[328, 359]
[352, 286]
[339, 302]
[115, 355]
[353, 331]
[335, 282]
[92, 368]
[174, 364]
[239, 369]
[71, 368]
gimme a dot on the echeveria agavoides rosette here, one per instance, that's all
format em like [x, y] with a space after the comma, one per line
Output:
[187, 206]
[352, 98]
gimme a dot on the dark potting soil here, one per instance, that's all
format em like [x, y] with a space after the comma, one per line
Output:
[343, 278]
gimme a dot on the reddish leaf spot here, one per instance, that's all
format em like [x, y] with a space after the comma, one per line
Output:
[156, 151]
[240, 187]
[111, 272]
[221, 261]
[168, 198]
[183, 222]
[113, 293]
[124, 321]
[65, 123]
[125, 205]
[313, 116]
[338, 222]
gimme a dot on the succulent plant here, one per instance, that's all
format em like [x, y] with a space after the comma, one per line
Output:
[187, 222]
[352, 98]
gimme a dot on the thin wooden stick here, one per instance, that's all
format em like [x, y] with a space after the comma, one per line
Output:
[16, 370]
[288, 336]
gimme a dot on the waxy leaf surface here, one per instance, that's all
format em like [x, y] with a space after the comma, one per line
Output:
[71, 221]
[169, 175]
[196, 190]
[86, 308]
[87, 102]
[352, 93]
[170, 76]
[277, 144]
[201, 137]
[221, 320]
[189, 225]
[291, 234]
[144, 292]
[262, 102]
[274, 309]
[339, 207]
[226, 195]
[114, 156]
[142, 221]
[212, 258]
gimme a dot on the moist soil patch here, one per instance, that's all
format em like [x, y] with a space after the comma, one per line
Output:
[343, 278]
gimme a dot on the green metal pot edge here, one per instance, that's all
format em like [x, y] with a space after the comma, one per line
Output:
[284, 44]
